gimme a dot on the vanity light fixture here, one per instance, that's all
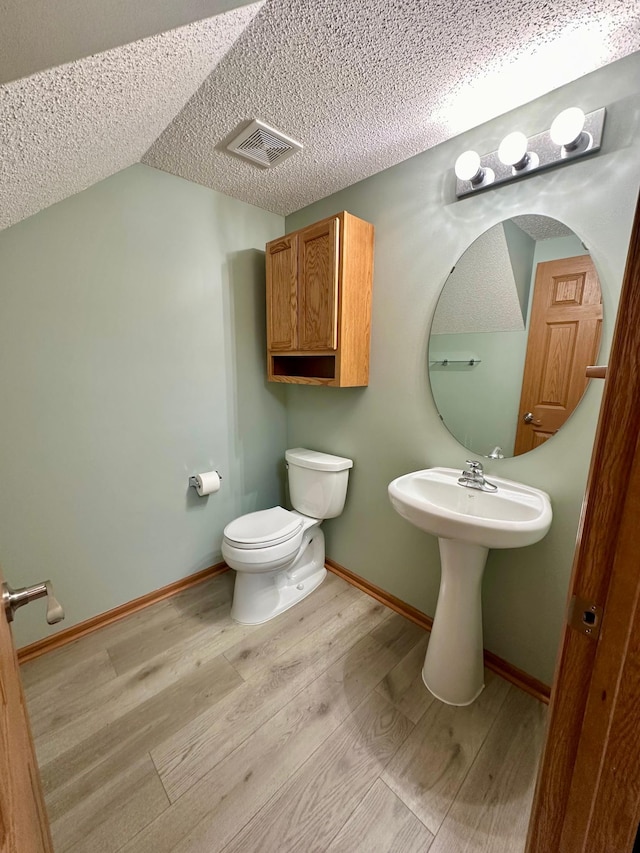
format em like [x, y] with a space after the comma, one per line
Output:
[571, 135]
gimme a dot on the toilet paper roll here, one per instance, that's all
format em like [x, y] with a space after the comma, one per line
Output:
[207, 483]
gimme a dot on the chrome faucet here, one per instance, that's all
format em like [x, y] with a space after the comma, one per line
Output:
[473, 477]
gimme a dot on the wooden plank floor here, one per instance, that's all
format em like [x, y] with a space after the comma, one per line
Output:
[177, 729]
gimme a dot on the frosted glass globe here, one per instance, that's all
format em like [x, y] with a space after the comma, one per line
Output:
[567, 126]
[468, 166]
[513, 148]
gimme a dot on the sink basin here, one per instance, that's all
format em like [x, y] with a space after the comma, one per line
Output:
[467, 523]
[434, 501]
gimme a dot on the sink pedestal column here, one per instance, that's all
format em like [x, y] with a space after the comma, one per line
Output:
[453, 668]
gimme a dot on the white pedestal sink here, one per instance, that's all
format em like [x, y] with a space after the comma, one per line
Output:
[467, 523]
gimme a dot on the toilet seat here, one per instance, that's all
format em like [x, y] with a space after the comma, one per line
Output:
[263, 529]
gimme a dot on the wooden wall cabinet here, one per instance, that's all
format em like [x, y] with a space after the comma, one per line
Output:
[319, 303]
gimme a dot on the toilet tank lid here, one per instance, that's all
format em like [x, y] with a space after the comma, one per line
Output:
[319, 461]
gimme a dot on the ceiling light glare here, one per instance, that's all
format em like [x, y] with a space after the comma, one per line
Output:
[468, 167]
[567, 128]
[513, 150]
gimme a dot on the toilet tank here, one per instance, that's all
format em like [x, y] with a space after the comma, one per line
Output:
[317, 482]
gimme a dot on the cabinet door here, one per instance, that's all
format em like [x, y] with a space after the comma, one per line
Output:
[318, 286]
[282, 301]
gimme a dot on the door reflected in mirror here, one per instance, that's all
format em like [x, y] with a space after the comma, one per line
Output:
[518, 322]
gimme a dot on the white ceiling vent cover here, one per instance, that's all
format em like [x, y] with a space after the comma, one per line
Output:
[263, 145]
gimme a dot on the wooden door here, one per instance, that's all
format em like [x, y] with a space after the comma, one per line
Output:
[282, 293]
[587, 796]
[23, 820]
[564, 337]
[603, 809]
[318, 286]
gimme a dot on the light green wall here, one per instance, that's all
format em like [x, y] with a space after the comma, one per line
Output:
[131, 356]
[392, 426]
[479, 404]
[521, 248]
[554, 249]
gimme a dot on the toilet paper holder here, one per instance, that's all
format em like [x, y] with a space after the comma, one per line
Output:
[193, 481]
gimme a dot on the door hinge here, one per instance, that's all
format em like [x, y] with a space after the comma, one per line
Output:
[585, 616]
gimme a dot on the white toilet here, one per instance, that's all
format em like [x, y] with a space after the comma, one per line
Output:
[278, 554]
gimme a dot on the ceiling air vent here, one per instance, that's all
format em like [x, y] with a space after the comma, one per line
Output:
[263, 145]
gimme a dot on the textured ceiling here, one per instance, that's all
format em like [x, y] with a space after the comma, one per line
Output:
[364, 84]
[36, 35]
[464, 307]
[64, 129]
[542, 227]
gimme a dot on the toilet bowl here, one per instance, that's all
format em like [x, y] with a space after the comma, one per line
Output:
[273, 574]
[278, 554]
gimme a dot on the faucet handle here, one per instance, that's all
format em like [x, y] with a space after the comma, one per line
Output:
[474, 465]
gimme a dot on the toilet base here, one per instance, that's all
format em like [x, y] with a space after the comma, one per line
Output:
[261, 596]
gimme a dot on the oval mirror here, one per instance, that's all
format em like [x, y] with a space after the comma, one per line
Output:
[517, 323]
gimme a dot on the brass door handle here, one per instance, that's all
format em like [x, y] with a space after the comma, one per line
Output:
[12, 599]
